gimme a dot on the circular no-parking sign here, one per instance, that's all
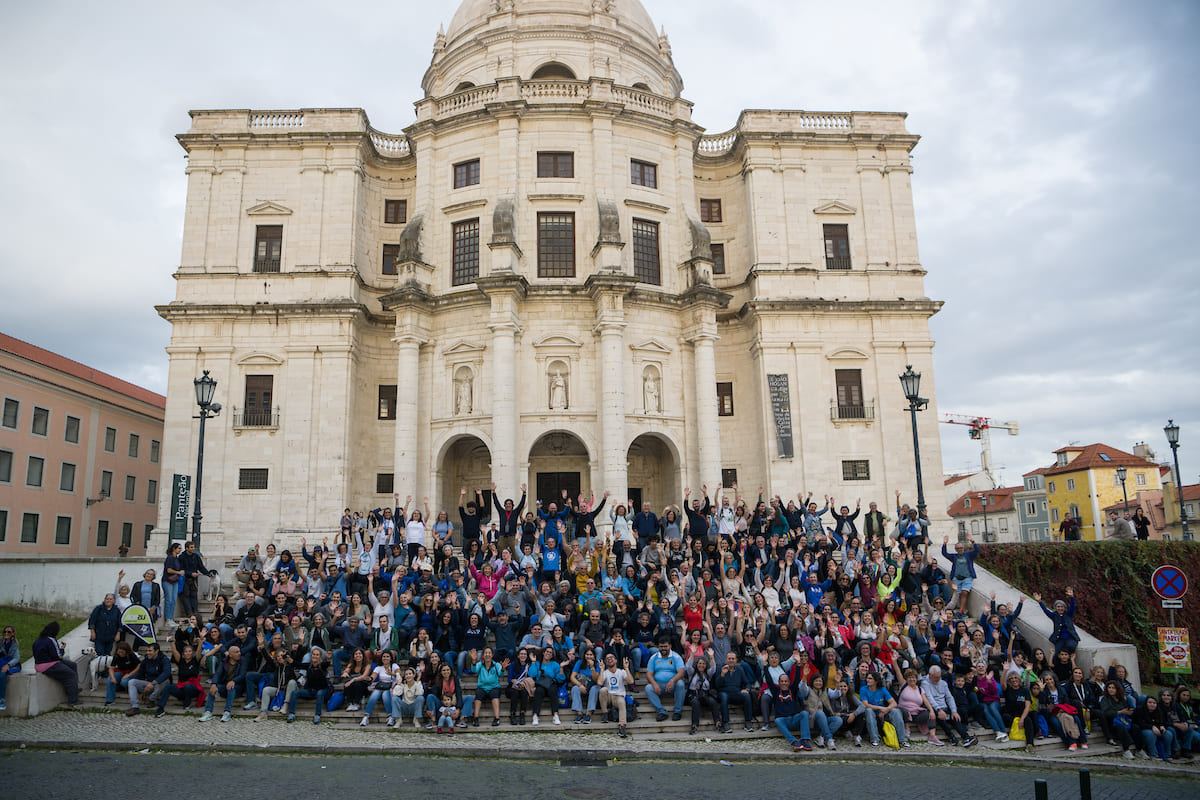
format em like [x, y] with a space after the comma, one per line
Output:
[1169, 582]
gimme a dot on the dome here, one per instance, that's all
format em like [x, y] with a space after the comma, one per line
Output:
[629, 14]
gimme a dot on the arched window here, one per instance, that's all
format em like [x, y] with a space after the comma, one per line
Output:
[462, 87]
[553, 72]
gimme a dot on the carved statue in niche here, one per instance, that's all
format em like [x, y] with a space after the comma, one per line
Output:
[652, 393]
[463, 393]
[558, 391]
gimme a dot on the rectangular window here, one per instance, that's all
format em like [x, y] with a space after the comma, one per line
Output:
[34, 470]
[146, 535]
[106, 484]
[102, 533]
[134, 442]
[155, 447]
[3, 525]
[41, 421]
[962, 531]
[974, 527]
[127, 534]
[151, 491]
[1070, 484]
[856, 470]
[718, 254]
[1054, 515]
[1004, 524]
[646, 265]
[29, 528]
[710, 210]
[556, 245]
[252, 479]
[466, 173]
[66, 478]
[1075, 512]
[6, 462]
[1031, 508]
[1140, 479]
[1050, 487]
[62, 530]
[71, 434]
[12, 410]
[642, 173]
[556, 165]
[466, 252]
[260, 391]
[395, 212]
[130, 488]
[384, 483]
[391, 252]
[110, 440]
[387, 401]
[268, 248]
[849, 394]
[837, 247]
[725, 399]
[728, 477]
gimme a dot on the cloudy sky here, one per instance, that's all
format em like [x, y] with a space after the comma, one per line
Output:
[1056, 186]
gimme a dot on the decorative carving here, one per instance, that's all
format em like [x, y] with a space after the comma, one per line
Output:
[558, 391]
[652, 393]
[463, 392]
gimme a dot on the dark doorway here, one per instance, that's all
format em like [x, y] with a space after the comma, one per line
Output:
[550, 486]
[635, 499]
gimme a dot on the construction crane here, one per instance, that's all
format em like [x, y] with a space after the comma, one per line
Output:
[979, 427]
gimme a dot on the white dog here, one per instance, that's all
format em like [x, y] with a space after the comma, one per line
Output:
[214, 587]
[96, 666]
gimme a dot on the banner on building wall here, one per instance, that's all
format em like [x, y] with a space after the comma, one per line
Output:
[781, 406]
[181, 501]
[137, 620]
[1174, 652]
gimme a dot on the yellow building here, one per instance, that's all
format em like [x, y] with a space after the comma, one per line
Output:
[1084, 480]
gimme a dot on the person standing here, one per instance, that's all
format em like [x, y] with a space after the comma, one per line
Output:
[1141, 524]
[172, 580]
[104, 624]
[193, 567]
[1069, 529]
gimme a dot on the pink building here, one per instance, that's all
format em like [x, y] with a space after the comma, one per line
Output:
[79, 456]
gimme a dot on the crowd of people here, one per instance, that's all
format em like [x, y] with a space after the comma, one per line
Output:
[824, 623]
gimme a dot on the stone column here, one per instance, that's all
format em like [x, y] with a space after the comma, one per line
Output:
[612, 408]
[708, 434]
[408, 361]
[504, 409]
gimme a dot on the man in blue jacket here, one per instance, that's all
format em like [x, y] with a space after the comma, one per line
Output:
[1064, 636]
[104, 624]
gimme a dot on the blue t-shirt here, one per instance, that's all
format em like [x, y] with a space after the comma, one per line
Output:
[147, 593]
[879, 697]
[663, 669]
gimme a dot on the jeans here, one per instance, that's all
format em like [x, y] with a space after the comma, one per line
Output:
[741, 697]
[828, 727]
[253, 679]
[991, 714]
[306, 694]
[795, 722]
[170, 593]
[103, 648]
[874, 724]
[376, 696]
[702, 701]
[187, 694]
[680, 692]
[228, 694]
[577, 699]
[401, 709]
[121, 682]
[3, 683]
[1149, 740]
[340, 657]
[136, 686]
[433, 703]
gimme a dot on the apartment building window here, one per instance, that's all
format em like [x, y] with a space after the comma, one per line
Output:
[556, 165]
[1004, 524]
[718, 256]
[1070, 484]
[155, 448]
[1075, 512]
[29, 527]
[395, 212]
[962, 531]
[384, 483]
[12, 411]
[110, 440]
[391, 252]
[260, 390]
[127, 534]
[62, 530]
[643, 173]
[466, 252]
[66, 478]
[729, 477]
[6, 462]
[856, 470]
[151, 491]
[1050, 487]
[134, 442]
[71, 434]
[1140, 479]
[34, 470]
[646, 264]
[849, 394]
[724, 399]
[106, 483]
[387, 401]
[41, 421]
[102, 533]
[556, 245]
[3, 524]
[1031, 508]
[1054, 515]
[710, 210]
[268, 248]
[466, 173]
[837, 247]
[252, 478]
[130, 488]
[149, 529]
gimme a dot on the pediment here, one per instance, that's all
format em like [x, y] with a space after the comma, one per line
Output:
[835, 207]
[260, 359]
[461, 347]
[557, 340]
[268, 209]
[651, 346]
[846, 353]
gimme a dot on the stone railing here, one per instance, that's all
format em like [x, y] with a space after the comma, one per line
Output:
[467, 100]
[821, 121]
[390, 144]
[276, 119]
[716, 144]
[570, 91]
[643, 101]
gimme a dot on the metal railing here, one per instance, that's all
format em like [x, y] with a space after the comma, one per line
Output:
[268, 418]
[839, 412]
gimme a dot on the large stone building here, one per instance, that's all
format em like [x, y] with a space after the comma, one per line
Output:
[552, 277]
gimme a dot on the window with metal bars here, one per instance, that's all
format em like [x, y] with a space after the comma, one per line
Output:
[395, 212]
[856, 470]
[466, 252]
[643, 173]
[259, 391]
[646, 264]
[268, 248]
[710, 211]
[556, 165]
[718, 256]
[849, 394]
[837, 247]
[556, 245]
[384, 483]
[466, 173]
[254, 478]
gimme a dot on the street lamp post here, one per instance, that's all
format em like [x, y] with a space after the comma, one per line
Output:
[983, 501]
[1121, 473]
[911, 382]
[1172, 431]
[206, 387]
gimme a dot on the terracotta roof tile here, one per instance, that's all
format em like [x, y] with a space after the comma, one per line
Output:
[65, 365]
[1001, 500]
[1099, 456]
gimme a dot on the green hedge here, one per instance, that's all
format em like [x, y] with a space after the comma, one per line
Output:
[1114, 601]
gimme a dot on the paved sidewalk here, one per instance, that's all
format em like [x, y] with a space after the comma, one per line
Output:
[66, 729]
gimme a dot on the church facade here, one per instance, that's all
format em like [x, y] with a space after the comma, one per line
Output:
[554, 277]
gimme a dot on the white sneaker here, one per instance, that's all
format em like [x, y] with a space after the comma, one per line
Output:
[858, 741]
[535, 720]
[391, 722]
[205, 717]
[832, 745]
[819, 741]
[557, 721]
[1001, 737]
[226, 717]
[353, 707]
[1128, 754]
[365, 719]
[417, 722]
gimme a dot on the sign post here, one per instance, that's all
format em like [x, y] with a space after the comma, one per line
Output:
[138, 621]
[1171, 584]
[181, 500]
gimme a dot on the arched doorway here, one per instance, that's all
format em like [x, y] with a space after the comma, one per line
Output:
[653, 473]
[465, 461]
[558, 461]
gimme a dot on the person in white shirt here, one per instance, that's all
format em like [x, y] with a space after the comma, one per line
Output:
[615, 684]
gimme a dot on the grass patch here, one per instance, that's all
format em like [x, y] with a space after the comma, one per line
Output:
[30, 623]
